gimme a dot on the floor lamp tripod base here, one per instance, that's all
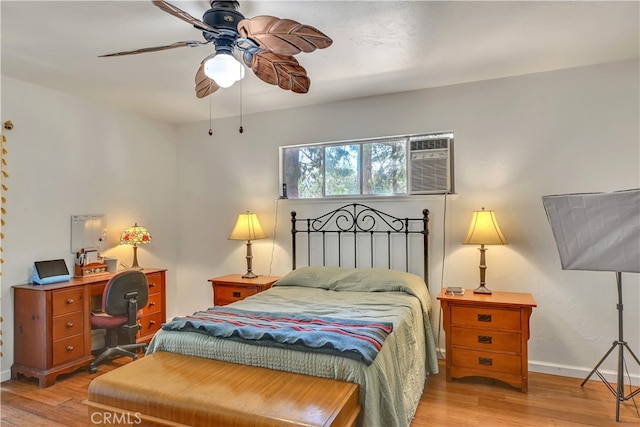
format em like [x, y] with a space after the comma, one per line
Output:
[621, 345]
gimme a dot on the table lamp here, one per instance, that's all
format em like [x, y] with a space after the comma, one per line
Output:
[484, 230]
[135, 236]
[248, 228]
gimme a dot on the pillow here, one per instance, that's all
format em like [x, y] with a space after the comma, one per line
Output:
[351, 279]
[360, 280]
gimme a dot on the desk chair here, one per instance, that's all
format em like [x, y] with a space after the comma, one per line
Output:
[123, 294]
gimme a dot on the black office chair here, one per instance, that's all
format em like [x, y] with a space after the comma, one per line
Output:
[123, 294]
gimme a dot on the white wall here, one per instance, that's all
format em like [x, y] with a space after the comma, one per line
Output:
[516, 139]
[69, 156]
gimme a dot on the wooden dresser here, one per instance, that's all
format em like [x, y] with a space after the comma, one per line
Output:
[52, 327]
[487, 335]
[155, 312]
[233, 287]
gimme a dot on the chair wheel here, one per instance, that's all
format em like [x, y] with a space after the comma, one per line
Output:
[93, 369]
[135, 357]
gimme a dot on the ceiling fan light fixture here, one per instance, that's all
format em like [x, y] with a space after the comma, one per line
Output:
[224, 69]
[265, 44]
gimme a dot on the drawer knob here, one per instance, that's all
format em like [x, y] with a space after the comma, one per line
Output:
[236, 294]
[69, 324]
[70, 301]
[69, 348]
[151, 304]
[484, 317]
[152, 322]
[485, 339]
[152, 285]
[486, 361]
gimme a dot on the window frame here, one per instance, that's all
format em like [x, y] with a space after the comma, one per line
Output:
[405, 139]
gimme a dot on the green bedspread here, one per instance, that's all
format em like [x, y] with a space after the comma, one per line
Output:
[390, 388]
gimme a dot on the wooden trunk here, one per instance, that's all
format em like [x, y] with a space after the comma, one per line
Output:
[168, 389]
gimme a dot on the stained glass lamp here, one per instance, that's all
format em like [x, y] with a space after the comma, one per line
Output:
[135, 236]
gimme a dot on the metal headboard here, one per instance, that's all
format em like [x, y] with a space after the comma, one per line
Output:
[357, 219]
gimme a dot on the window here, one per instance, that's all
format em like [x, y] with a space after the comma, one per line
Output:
[369, 167]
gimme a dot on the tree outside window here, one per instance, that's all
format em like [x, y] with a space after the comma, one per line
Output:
[351, 168]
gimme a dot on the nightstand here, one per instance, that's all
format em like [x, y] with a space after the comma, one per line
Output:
[233, 287]
[487, 335]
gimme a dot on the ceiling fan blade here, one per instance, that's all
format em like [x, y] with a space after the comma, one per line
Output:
[281, 70]
[283, 36]
[156, 49]
[204, 85]
[179, 13]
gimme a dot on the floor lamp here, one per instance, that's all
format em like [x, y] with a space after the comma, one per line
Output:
[600, 232]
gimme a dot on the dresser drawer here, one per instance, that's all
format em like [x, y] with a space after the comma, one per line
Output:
[66, 301]
[68, 324]
[150, 324]
[482, 317]
[68, 349]
[486, 340]
[155, 281]
[154, 304]
[487, 361]
[231, 294]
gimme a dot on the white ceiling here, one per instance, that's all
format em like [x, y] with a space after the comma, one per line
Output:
[379, 47]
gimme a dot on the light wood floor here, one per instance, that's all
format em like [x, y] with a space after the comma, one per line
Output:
[551, 401]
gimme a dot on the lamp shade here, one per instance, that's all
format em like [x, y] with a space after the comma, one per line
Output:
[247, 228]
[484, 230]
[135, 236]
[224, 69]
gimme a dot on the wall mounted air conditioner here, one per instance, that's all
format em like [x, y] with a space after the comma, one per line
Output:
[431, 164]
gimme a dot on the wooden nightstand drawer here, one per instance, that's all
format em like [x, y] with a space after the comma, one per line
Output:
[233, 287]
[68, 324]
[66, 301]
[234, 293]
[68, 349]
[486, 340]
[485, 317]
[487, 361]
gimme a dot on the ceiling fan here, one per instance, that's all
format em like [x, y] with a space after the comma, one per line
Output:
[266, 43]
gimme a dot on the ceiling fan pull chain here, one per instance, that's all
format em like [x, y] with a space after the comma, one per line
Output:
[241, 128]
[210, 129]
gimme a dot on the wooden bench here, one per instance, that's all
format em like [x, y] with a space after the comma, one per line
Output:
[167, 389]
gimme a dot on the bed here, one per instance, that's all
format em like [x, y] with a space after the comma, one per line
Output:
[357, 292]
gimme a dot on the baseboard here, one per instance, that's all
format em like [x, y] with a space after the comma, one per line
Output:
[580, 372]
[5, 375]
